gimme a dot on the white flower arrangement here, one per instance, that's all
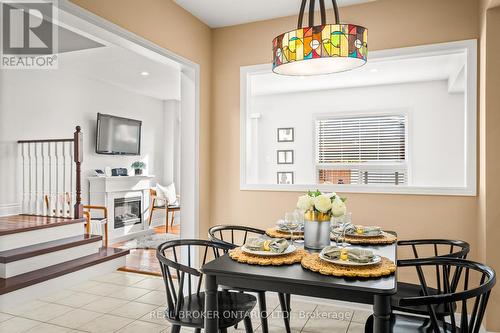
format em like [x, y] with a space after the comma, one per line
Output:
[327, 203]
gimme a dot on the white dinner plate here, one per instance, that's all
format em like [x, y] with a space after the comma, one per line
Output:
[376, 259]
[290, 249]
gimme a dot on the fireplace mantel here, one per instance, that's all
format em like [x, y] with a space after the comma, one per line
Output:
[105, 190]
[120, 183]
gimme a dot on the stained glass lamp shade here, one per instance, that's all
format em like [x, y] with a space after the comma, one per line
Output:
[320, 49]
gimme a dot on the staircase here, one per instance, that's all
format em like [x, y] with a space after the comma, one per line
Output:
[39, 255]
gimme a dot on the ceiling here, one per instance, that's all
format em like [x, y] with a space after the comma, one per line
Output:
[121, 67]
[84, 55]
[449, 67]
[221, 13]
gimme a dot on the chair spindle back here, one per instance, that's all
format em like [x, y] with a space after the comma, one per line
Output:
[169, 256]
[232, 235]
[455, 288]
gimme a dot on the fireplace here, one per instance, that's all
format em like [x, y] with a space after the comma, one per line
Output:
[127, 212]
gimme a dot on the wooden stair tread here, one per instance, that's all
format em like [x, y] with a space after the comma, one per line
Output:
[51, 272]
[14, 224]
[47, 247]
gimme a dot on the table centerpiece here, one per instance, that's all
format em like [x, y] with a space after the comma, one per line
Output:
[318, 209]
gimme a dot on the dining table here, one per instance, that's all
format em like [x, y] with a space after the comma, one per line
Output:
[296, 280]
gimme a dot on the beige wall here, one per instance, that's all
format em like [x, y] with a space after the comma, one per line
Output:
[166, 24]
[392, 24]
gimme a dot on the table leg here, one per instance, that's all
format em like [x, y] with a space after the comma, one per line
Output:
[211, 304]
[382, 314]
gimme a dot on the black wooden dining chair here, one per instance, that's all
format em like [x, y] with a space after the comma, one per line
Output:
[187, 309]
[466, 285]
[234, 236]
[427, 248]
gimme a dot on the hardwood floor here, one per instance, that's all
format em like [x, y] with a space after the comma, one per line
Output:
[20, 223]
[144, 260]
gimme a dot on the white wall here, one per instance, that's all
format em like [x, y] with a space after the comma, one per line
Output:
[436, 129]
[49, 104]
[172, 138]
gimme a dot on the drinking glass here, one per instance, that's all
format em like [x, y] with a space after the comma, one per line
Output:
[291, 224]
[340, 227]
[300, 227]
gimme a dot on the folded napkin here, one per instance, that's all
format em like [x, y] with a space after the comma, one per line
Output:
[349, 229]
[369, 230]
[276, 245]
[363, 230]
[355, 255]
[255, 244]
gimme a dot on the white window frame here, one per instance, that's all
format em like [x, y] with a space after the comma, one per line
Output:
[406, 165]
[470, 160]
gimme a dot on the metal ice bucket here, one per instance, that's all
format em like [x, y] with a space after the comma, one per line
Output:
[316, 230]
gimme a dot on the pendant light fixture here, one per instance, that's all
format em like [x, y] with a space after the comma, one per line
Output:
[320, 49]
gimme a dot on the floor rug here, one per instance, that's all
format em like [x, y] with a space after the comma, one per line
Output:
[149, 241]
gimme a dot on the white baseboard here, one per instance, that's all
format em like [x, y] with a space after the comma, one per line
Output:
[44, 288]
[10, 209]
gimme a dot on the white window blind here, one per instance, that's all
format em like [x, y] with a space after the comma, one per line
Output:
[361, 139]
[361, 150]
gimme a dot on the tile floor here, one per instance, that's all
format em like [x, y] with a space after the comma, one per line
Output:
[127, 302]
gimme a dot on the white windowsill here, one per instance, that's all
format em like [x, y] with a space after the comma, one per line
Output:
[367, 189]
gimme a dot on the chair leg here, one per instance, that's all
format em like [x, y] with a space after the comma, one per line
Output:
[248, 324]
[261, 296]
[288, 298]
[166, 220]
[175, 329]
[236, 325]
[285, 312]
[151, 210]
[172, 219]
[369, 325]
[106, 234]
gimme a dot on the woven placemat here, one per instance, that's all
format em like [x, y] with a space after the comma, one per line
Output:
[275, 233]
[385, 238]
[285, 259]
[315, 264]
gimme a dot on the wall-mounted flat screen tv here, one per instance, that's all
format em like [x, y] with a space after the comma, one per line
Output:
[117, 135]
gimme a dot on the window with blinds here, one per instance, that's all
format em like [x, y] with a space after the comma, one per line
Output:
[361, 150]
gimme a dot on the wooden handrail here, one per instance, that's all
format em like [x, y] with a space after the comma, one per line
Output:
[46, 140]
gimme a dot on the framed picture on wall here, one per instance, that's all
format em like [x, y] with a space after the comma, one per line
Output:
[285, 177]
[286, 134]
[285, 157]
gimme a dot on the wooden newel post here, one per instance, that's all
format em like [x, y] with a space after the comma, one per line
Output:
[78, 154]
